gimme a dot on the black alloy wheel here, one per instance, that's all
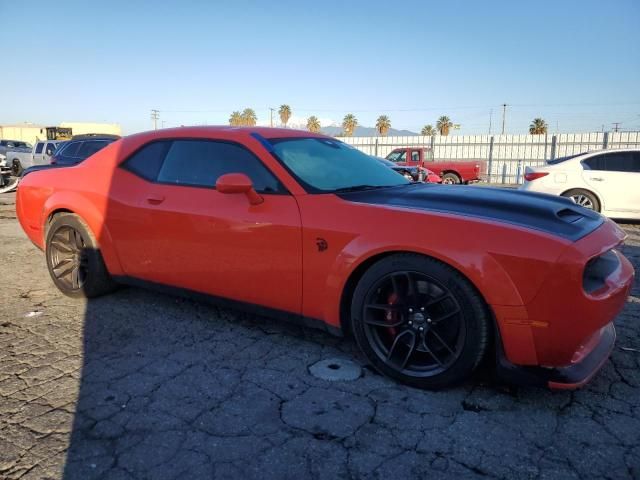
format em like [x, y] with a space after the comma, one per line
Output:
[414, 324]
[420, 321]
[68, 257]
[73, 258]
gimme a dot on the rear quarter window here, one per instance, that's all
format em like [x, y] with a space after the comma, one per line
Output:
[147, 161]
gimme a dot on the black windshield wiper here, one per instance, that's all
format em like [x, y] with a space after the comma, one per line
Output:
[358, 188]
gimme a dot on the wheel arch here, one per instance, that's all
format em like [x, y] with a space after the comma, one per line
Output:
[598, 198]
[75, 204]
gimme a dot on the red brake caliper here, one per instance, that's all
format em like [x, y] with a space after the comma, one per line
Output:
[391, 316]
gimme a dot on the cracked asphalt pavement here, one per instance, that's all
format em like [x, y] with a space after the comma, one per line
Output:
[138, 385]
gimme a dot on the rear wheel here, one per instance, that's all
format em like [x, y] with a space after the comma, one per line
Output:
[451, 179]
[584, 198]
[419, 321]
[74, 260]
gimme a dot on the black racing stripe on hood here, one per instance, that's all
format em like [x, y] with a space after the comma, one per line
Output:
[546, 213]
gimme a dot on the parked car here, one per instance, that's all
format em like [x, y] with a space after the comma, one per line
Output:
[429, 280]
[81, 147]
[16, 145]
[452, 172]
[607, 181]
[42, 151]
[415, 174]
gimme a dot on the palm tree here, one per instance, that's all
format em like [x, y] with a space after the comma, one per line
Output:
[383, 124]
[249, 117]
[313, 124]
[235, 119]
[349, 124]
[444, 124]
[428, 130]
[538, 127]
[285, 114]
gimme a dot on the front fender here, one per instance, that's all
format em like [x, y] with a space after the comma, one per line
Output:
[481, 269]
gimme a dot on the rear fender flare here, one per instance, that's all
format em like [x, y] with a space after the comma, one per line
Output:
[76, 203]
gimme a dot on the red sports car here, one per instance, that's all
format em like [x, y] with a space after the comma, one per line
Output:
[429, 279]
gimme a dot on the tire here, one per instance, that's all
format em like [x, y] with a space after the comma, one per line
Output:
[74, 260]
[432, 338]
[584, 198]
[16, 168]
[451, 179]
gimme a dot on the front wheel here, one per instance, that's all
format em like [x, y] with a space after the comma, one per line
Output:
[16, 168]
[74, 260]
[419, 321]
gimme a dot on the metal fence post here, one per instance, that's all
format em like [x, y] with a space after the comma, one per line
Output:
[605, 140]
[554, 140]
[433, 146]
[376, 147]
[519, 171]
[504, 173]
[489, 170]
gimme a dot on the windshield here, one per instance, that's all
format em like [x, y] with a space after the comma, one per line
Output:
[327, 165]
[396, 156]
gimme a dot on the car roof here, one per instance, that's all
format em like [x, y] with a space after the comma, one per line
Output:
[204, 131]
[95, 136]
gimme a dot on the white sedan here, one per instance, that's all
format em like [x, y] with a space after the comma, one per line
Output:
[607, 181]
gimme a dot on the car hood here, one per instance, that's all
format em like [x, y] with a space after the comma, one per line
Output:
[546, 213]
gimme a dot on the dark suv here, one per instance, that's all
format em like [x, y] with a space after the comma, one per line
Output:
[81, 147]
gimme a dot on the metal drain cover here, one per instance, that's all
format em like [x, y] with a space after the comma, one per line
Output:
[336, 369]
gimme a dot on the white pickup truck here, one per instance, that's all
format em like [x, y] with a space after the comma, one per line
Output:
[42, 151]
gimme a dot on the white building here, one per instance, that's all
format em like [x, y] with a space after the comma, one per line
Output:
[30, 132]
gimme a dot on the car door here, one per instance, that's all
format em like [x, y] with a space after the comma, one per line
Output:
[49, 152]
[171, 226]
[38, 154]
[614, 177]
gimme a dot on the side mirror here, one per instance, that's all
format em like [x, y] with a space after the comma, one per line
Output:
[238, 183]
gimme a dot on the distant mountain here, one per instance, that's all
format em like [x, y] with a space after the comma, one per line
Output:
[366, 132]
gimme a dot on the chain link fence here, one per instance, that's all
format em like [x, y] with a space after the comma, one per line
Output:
[506, 155]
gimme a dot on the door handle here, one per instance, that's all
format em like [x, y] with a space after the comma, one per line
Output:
[155, 199]
[597, 179]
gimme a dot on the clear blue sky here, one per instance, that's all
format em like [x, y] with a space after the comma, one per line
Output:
[575, 63]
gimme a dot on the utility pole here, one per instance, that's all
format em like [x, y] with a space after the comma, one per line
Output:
[504, 114]
[155, 116]
[490, 115]
[271, 116]
[616, 126]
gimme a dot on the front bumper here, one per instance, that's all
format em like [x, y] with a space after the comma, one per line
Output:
[569, 377]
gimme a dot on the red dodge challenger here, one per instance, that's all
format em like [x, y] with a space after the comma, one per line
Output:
[429, 279]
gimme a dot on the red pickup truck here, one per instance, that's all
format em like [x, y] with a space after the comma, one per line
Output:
[450, 171]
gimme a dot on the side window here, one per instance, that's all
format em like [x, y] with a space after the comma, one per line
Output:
[595, 163]
[415, 156]
[89, 148]
[402, 157]
[618, 162]
[51, 148]
[71, 149]
[39, 147]
[611, 162]
[635, 166]
[202, 162]
[147, 161]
